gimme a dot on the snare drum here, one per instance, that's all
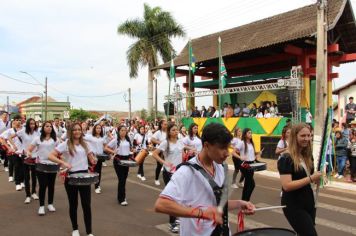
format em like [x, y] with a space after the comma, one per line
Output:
[267, 232]
[47, 167]
[83, 179]
[29, 161]
[258, 166]
[140, 157]
[103, 157]
[125, 162]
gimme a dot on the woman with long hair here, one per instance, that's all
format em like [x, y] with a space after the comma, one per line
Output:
[193, 141]
[158, 137]
[76, 155]
[121, 148]
[282, 145]
[26, 136]
[44, 145]
[236, 158]
[172, 149]
[97, 142]
[140, 142]
[182, 132]
[297, 174]
[246, 150]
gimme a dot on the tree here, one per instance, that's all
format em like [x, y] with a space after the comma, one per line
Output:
[153, 34]
[81, 115]
[143, 114]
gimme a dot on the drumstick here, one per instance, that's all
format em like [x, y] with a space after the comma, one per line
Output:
[269, 208]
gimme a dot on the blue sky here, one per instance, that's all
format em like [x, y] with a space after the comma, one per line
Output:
[75, 45]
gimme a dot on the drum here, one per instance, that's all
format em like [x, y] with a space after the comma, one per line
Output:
[128, 163]
[267, 232]
[47, 167]
[103, 157]
[258, 166]
[82, 179]
[140, 157]
[29, 161]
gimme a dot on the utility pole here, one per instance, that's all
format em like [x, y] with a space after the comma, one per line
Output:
[156, 107]
[46, 97]
[321, 79]
[130, 103]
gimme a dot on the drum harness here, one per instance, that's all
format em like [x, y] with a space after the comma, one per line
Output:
[220, 230]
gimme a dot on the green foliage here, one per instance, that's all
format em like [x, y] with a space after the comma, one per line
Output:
[81, 115]
[143, 114]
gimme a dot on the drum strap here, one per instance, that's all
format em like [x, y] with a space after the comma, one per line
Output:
[220, 230]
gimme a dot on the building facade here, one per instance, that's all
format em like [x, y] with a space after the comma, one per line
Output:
[344, 93]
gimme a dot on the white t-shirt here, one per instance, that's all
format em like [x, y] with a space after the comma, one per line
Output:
[4, 126]
[175, 153]
[96, 143]
[139, 138]
[250, 155]
[282, 144]
[160, 135]
[195, 142]
[268, 115]
[123, 150]
[180, 136]
[58, 130]
[308, 118]
[188, 187]
[44, 148]
[26, 138]
[79, 160]
[235, 141]
[10, 132]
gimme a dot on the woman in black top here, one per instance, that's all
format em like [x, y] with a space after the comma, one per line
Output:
[297, 174]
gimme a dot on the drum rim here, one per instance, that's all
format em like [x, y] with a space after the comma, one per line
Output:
[266, 228]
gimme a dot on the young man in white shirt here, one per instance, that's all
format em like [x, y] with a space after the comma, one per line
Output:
[189, 194]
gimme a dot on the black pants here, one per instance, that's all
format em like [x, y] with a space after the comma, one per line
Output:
[249, 185]
[166, 178]
[85, 198]
[237, 165]
[121, 173]
[301, 220]
[140, 170]
[46, 180]
[97, 169]
[11, 159]
[30, 173]
[353, 167]
[4, 157]
[159, 167]
[19, 169]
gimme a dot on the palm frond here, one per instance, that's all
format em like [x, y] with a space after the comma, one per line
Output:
[132, 28]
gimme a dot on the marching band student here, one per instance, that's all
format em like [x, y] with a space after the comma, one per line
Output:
[8, 152]
[57, 128]
[140, 142]
[297, 174]
[282, 145]
[121, 147]
[76, 154]
[27, 135]
[17, 149]
[97, 143]
[44, 145]
[159, 136]
[190, 195]
[236, 158]
[5, 124]
[246, 150]
[193, 140]
[182, 132]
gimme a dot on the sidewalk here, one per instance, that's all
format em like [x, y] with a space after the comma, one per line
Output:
[273, 173]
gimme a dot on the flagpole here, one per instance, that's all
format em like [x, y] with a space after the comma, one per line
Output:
[169, 86]
[189, 76]
[219, 75]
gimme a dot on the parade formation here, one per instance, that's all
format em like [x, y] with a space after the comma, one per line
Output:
[272, 109]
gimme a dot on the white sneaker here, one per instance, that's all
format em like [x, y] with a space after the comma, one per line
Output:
[234, 186]
[143, 178]
[104, 164]
[340, 177]
[90, 234]
[281, 194]
[34, 196]
[27, 200]
[11, 179]
[51, 208]
[336, 175]
[41, 211]
[75, 233]
[240, 184]
[124, 203]
[157, 182]
[6, 169]
[98, 190]
[22, 185]
[139, 176]
[18, 187]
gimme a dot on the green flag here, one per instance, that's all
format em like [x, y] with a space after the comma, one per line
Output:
[191, 59]
[223, 73]
[172, 71]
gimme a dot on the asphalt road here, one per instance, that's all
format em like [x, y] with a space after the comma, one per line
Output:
[335, 216]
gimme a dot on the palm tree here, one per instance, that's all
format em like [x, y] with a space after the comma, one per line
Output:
[153, 34]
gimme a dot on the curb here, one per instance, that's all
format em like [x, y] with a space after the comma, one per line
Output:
[331, 184]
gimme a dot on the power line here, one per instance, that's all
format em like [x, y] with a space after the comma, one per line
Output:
[18, 80]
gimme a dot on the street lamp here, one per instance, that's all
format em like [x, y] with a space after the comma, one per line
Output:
[45, 92]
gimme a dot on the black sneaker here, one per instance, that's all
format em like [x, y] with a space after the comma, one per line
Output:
[174, 228]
